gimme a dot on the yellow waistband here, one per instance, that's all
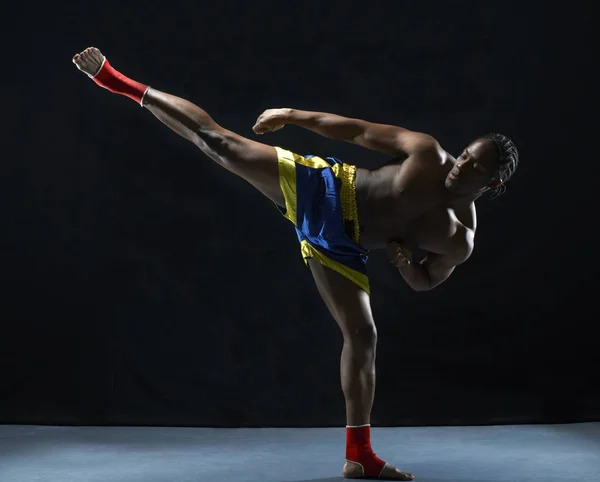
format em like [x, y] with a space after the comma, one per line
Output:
[347, 173]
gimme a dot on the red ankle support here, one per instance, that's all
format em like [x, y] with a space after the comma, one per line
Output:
[116, 82]
[359, 450]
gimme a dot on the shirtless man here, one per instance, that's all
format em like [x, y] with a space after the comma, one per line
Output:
[425, 199]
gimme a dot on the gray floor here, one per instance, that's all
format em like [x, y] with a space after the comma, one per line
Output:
[434, 454]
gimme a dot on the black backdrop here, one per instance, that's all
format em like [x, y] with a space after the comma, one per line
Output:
[143, 284]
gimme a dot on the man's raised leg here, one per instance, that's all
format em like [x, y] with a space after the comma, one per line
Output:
[350, 307]
[253, 161]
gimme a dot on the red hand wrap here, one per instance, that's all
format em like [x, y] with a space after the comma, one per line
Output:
[116, 82]
[359, 450]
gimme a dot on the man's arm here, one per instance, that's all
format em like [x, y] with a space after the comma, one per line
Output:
[431, 272]
[392, 140]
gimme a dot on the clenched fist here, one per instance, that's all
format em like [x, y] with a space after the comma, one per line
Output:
[398, 255]
[271, 120]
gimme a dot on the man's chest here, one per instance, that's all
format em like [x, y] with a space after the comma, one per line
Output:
[434, 231]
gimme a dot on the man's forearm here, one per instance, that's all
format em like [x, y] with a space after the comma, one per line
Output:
[328, 125]
[416, 276]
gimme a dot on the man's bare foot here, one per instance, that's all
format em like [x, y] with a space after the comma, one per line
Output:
[353, 470]
[89, 61]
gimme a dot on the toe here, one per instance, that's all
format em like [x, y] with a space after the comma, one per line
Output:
[392, 473]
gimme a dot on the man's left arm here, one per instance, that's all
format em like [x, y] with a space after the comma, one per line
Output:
[432, 271]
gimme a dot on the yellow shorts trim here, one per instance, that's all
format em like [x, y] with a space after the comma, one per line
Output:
[347, 173]
[359, 279]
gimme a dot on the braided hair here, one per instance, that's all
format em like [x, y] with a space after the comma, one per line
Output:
[508, 160]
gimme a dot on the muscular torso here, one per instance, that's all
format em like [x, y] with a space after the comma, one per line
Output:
[406, 201]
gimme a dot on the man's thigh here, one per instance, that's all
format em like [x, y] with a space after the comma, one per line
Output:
[349, 304]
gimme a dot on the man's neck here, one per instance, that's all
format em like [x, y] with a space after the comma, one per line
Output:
[461, 200]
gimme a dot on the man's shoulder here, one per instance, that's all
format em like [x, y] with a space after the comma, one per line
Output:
[430, 151]
[465, 243]
[461, 244]
[467, 216]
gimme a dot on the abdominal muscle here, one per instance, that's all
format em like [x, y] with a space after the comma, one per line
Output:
[382, 211]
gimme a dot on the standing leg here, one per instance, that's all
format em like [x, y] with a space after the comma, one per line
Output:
[350, 307]
[255, 162]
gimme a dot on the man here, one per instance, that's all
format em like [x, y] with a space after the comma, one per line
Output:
[425, 199]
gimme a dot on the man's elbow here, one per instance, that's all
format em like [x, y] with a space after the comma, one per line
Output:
[431, 284]
[422, 287]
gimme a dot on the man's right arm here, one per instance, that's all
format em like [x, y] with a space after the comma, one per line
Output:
[392, 140]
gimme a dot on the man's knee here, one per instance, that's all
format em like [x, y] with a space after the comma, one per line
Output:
[215, 139]
[364, 335]
[251, 156]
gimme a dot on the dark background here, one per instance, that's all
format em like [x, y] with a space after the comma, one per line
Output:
[143, 284]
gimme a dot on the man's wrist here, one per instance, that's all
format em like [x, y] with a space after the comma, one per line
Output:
[291, 115]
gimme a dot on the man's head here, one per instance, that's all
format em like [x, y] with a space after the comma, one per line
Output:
[485, 165]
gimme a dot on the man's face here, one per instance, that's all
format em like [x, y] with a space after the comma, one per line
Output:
[474, 168]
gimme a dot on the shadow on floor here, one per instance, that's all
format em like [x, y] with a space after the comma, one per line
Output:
[328, 479]
[418, 479]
